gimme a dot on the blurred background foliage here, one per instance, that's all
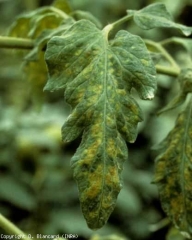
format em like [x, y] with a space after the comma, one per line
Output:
[37, 190]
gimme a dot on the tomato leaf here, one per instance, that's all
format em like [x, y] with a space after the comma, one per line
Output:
[41, 25]
[31, 25]
[156, 15]
[97, 77]
[173, 172]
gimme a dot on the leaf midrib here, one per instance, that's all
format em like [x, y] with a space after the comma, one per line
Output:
[184, 159]
[105, 81]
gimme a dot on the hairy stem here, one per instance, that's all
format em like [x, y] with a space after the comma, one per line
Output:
[10, 228]
[121, 20]
[106, 30]
[22, 43]
[12, 42]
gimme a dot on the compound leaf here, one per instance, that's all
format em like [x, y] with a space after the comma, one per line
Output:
[156, 15]
[95, 76]
[173, 172]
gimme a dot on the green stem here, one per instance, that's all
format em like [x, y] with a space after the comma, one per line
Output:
[171, 71]
[22, 43]
[162, 50]
[10, 228]
[59, 12]
[106, 30]
[167, 41]
[12, 42]
[173, 40]
[156, 227]
[121, 21]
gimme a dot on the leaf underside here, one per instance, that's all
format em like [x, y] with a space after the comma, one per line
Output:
[97, 77]
[173, 172]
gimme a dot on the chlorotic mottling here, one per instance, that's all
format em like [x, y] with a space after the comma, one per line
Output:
[31, 25]
[40, 25]
[173, 172]
[97, 79]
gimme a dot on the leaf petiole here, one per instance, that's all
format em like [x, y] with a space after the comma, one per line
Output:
[163, 51]
[173, 72]
[12, 42]
[121, 21]
[59, 12]
[10, 228]
[106, 30]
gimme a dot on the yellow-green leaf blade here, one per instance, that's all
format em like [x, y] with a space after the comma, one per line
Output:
[97, 166]
[32, 24]
[173, 172]
[63, 5]
[87, 67]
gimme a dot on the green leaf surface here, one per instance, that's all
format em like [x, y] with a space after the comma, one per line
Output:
[97, 77]
[173, 172]
[156, 15]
